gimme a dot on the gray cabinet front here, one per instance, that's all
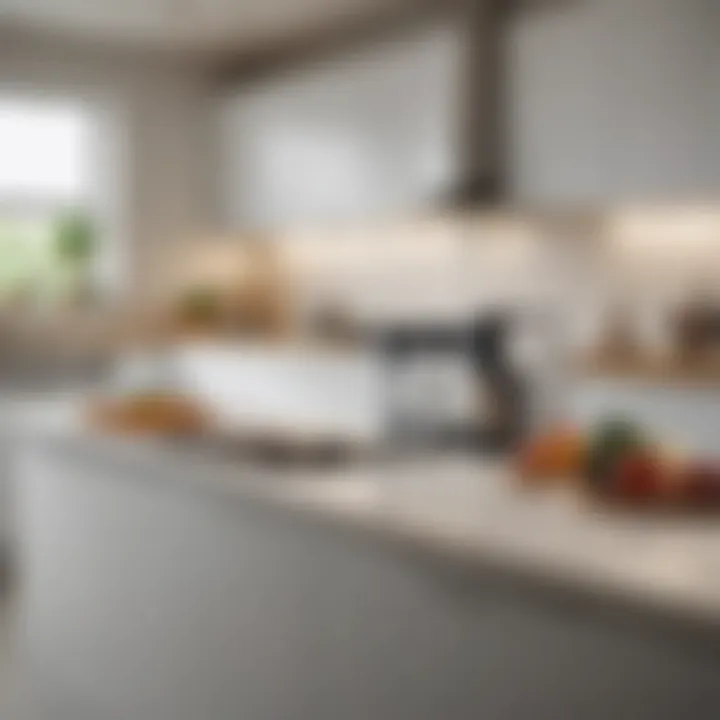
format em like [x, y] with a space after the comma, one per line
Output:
[152, 600]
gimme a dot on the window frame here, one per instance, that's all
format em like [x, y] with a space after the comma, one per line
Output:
[95, 106]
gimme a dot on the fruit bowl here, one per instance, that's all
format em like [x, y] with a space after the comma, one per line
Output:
[618, 466]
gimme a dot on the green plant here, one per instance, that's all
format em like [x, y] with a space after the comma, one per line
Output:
[75, 238]
[74, 245]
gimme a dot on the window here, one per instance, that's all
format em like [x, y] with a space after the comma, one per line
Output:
[46, 169]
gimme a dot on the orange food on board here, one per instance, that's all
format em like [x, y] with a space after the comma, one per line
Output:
[554, 454]
[151, 413]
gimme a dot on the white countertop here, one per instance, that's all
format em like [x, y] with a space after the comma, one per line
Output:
[470, 509]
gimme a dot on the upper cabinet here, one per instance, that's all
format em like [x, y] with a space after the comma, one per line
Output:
[368, 135]
[614, 100]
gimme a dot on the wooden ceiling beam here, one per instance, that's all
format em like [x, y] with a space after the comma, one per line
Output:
[334, 38]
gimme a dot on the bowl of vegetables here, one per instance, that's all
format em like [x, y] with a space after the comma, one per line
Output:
[618, 463]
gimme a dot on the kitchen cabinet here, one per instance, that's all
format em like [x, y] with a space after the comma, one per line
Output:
[152, 597]
[611, 100]
[368, 134]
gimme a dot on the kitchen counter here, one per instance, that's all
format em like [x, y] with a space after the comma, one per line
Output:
[169, 583]
[460, 507]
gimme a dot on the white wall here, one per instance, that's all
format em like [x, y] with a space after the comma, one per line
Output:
[615, 99]
[155, 188]
[370, 133]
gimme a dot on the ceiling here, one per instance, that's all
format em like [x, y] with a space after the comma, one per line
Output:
[210, 25]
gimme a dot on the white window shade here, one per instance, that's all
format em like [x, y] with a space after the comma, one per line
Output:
[45, 152]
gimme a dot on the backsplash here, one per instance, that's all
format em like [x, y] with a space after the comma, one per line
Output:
[640, 261]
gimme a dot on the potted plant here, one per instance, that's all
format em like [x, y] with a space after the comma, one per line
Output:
[75, 248]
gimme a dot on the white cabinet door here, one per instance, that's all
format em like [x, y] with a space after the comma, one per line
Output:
[370, 134]
[614, 100]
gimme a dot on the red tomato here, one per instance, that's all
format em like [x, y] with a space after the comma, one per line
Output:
[638, 479]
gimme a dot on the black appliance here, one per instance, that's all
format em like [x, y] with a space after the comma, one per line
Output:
[499, 421]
